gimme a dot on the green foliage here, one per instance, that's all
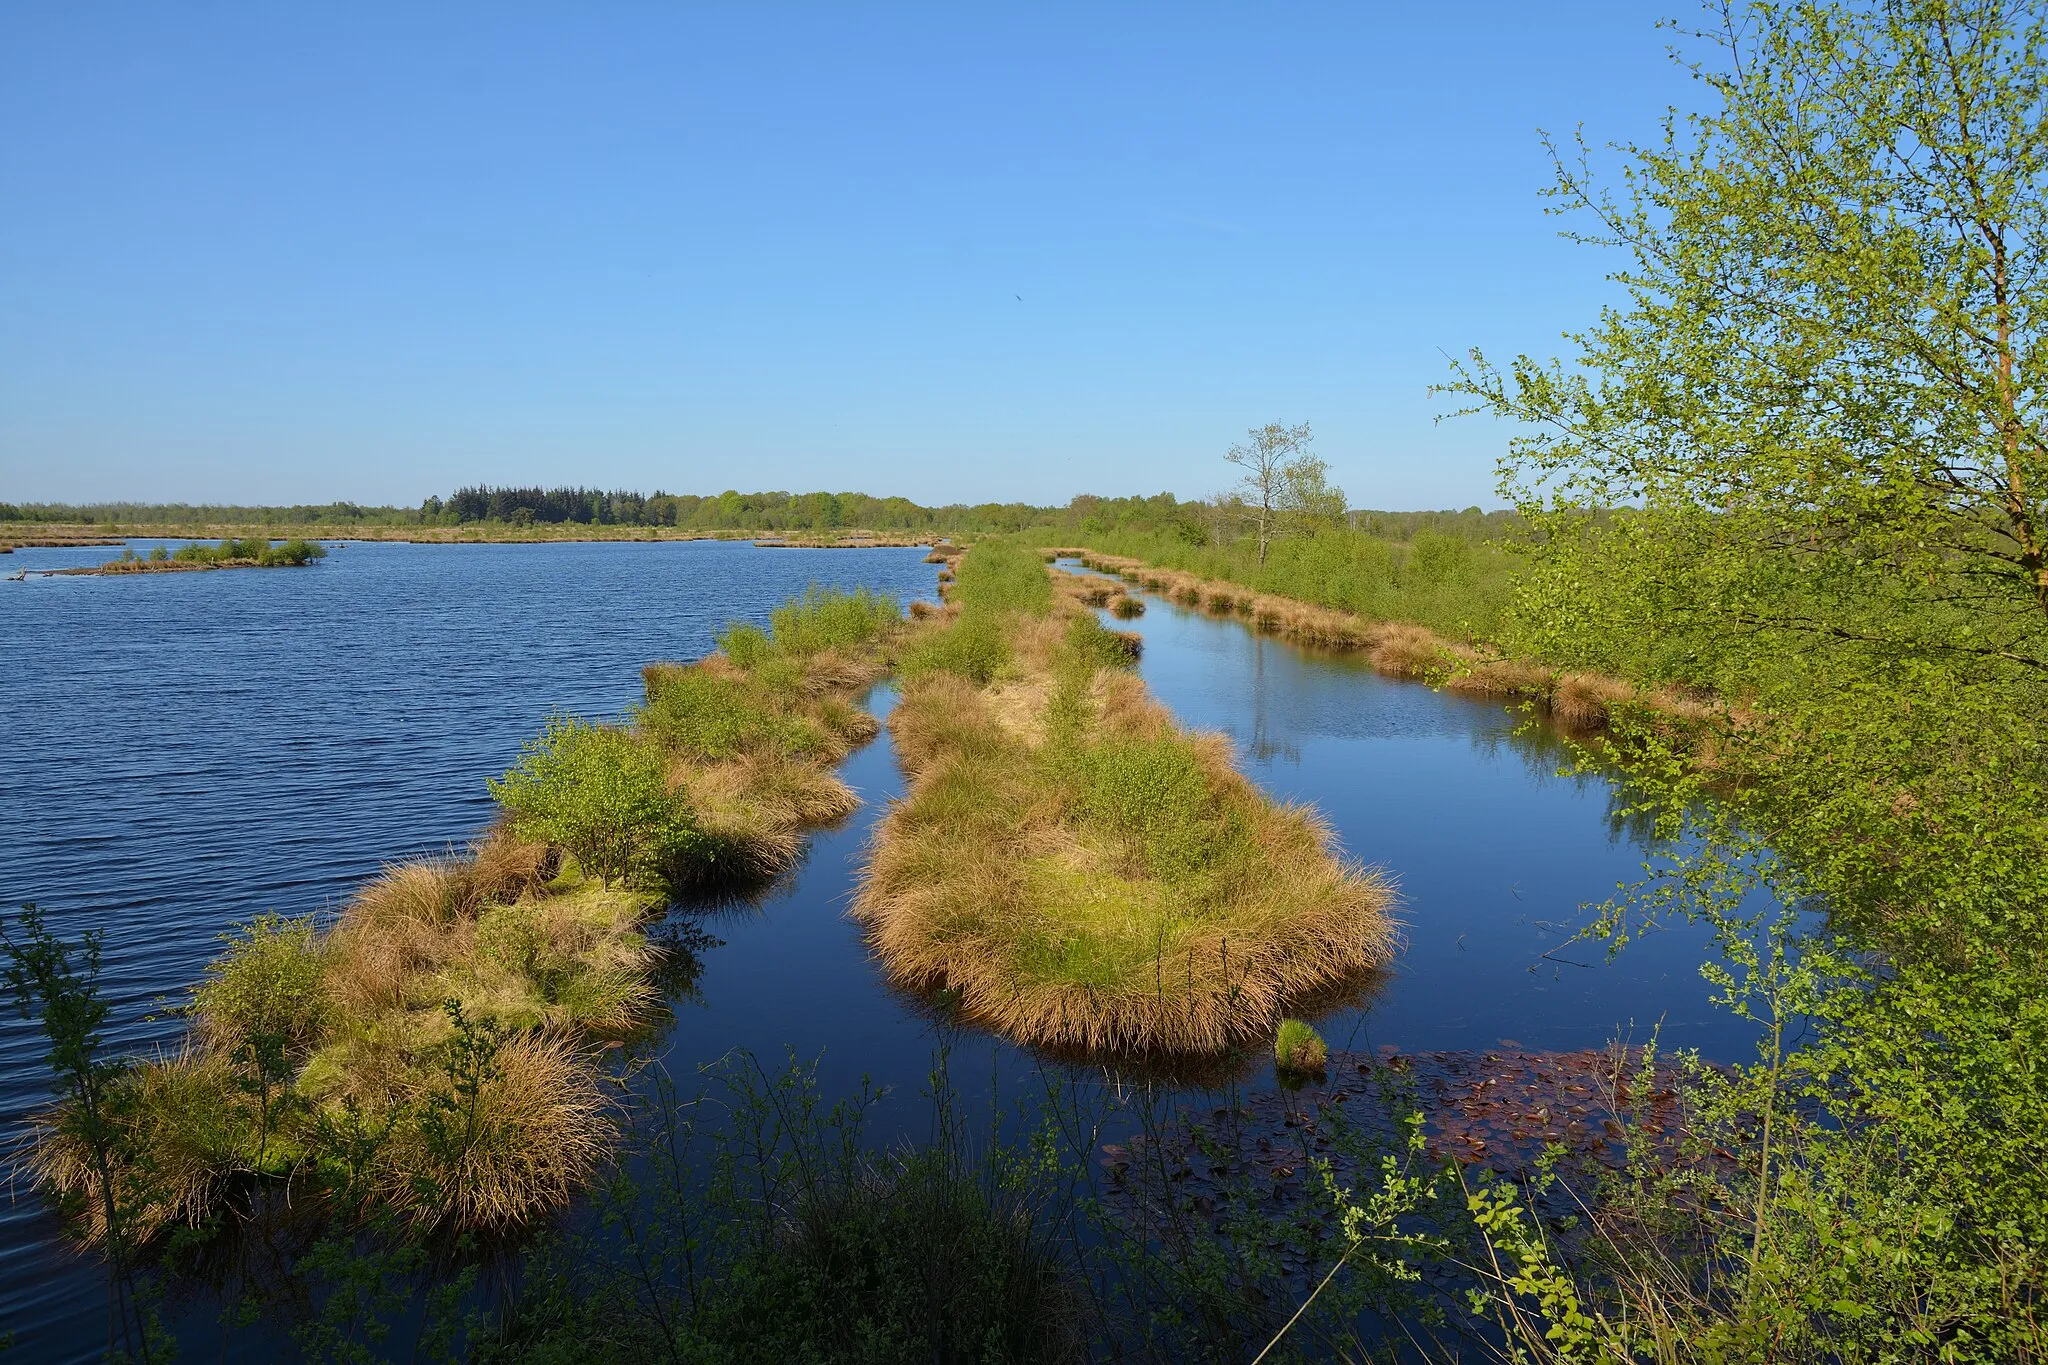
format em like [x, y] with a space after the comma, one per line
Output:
[1299, 1048]
[829, 618]
[1002, 576]
[1154, 795]
[266, 985]
[746, 644]
[709, 714]
[1457, 581]
[255, 550]
[1821, 405]
[975, 647]
[602, 794]
[56, 984]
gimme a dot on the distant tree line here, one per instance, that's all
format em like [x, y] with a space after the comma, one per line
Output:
[1212, 522]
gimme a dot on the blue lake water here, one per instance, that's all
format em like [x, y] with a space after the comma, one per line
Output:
[184, 751]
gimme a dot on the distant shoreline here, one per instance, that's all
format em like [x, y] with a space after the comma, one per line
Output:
[472, 534]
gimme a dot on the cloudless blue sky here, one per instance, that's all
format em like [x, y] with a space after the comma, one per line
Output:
[272, 253]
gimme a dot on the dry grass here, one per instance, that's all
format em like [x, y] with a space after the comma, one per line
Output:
[184, 1122]
[1586, 701]
[1080, 872]
[542, 1125]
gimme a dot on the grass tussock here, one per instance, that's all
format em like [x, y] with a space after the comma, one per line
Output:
[436, 1040]
[1298, 1050]
[1077, 870]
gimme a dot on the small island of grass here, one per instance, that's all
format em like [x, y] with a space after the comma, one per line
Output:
[1076, 869]
[252, 553]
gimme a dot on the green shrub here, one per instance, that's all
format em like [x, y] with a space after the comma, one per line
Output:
[1002, 577]
[1155, 796]
[1299, 1048]
[602, 794]
[266, 986]
[745, 644]
[710, 714]
[292, 552]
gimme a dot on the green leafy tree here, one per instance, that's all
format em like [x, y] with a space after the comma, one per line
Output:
[1802, 466]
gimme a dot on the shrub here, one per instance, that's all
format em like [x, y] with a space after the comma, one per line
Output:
[1155, 796]
[1299, 1049]
[268, 985]
[601, 794]
[745, 644]
[292, 552]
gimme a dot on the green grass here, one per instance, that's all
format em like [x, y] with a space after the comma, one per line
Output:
[1460, 586]
[1078, 870]
[713, 715]
[1299, 1049]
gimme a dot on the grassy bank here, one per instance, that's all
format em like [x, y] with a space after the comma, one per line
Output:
[1577, 699]
[1073, 868]
[1456, 585]
[438, 1049]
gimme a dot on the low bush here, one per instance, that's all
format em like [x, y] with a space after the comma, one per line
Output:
[269, 984]
[827, 618]
[711, 713]
[975, 648]
[601, 793]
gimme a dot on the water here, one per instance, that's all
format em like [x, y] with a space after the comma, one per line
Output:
[186, 750]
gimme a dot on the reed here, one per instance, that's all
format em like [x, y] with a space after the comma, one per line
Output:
[1078, 871]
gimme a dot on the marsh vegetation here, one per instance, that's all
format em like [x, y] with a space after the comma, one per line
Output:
[252, 553]
[1074, 868]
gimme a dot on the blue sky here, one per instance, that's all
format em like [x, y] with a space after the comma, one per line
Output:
[270, 253]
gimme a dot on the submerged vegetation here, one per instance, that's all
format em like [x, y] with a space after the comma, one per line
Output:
[1075, 869]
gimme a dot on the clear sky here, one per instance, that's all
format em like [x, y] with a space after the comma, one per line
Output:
[274, 253]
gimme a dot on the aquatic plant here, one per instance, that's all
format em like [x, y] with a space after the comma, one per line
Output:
[268, 985]
[1299, 1049]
